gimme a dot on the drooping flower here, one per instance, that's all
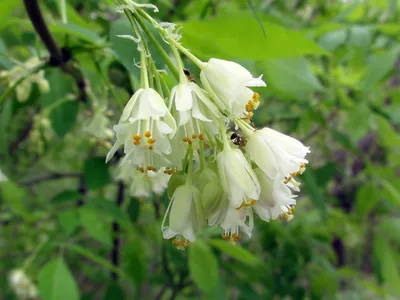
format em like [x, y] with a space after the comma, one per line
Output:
[185, 216]
[277, 154]
[142, 183]
[237, 221]
[22, 286]
[144, 129]
[98, 126]
[237, 177]
[227, 83]
[24, 88]
[276, 199]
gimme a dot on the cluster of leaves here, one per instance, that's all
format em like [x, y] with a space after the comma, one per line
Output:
[333, 76]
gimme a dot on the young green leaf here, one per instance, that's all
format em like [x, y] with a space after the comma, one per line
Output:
[56, 282]
[203, 266]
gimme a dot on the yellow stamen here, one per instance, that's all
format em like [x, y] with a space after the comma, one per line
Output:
[225, 237]
[151, 148]
[248, 107]
[151, 141]
[147, 134]
[136, 142]
[256, 97]
[136, 137]
[201, 136]
[194, 136]
[185, 139]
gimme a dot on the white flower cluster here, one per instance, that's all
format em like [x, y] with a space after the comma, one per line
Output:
[224, 175]
[22, 70]
[22, 286]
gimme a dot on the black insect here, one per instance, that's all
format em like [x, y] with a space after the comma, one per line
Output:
[188, 75]
[238, 140]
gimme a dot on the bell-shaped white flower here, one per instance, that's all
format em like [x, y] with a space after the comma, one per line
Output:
[277, 154]
[237, 177]
[237, 221]
[227, 83]
[144, 129]
[190, 101]
[98, 126]
[185, 216]
[275, 199]
[143, 183]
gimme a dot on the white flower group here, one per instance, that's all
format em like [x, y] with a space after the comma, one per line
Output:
[222, 177]
[22, 286]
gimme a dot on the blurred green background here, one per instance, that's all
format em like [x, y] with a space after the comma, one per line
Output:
[333, 75]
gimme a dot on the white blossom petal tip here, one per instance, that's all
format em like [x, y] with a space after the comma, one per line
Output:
[256, 82]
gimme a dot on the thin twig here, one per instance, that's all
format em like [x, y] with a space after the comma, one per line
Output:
[116, 230]
[58, 57]
[47, 177]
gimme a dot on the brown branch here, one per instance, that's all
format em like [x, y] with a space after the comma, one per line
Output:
[48, 177]
[58, 57]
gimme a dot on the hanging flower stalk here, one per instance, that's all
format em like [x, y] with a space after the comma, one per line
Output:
[224, 176]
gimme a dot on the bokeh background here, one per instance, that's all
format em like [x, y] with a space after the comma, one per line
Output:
[333, 75]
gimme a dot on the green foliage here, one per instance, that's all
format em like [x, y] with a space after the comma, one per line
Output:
[56, 281]
[70, 223]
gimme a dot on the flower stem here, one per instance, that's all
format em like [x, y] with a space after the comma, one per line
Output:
[185, 51]
[156, 44]
[202, 157]
[190, 168]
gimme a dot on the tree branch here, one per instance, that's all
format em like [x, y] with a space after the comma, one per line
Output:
[58, 57]
[48, 177]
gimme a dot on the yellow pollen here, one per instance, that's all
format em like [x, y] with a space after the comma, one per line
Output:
[250, 114]
[189, 141]
[147, 134]
[186, 243]
[256, 97]
[151, 148]
[136, 137]
[136, 142]
[151, 141]
[235, 237]
[248, 107]
[194, 136]
[201, 136]
[225, 237]
[185, 139]
[140, 170]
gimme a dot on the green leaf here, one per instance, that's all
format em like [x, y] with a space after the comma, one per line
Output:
[66, 196]
[63, 117]
[394, 194]
[60, 85]
[388, 265]
[56, 282]
[334, 39]
[5, 118]
[69, 221]
[6, 8]
[391, 228]
[203, 266]
[290, 76]
[236, 252]
[77, 31]
[96, 227]
[96, 173]
[357, 122]
[240, 36]
[378, 67]
[366, 198]
[314, 191]
[14, 196]
[114, 292]
[125, 49]
[106, 207]
[133, 260]
[95, 258]
[388, 137]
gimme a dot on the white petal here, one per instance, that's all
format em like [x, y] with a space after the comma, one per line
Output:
[256, 82]
[183, 97]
